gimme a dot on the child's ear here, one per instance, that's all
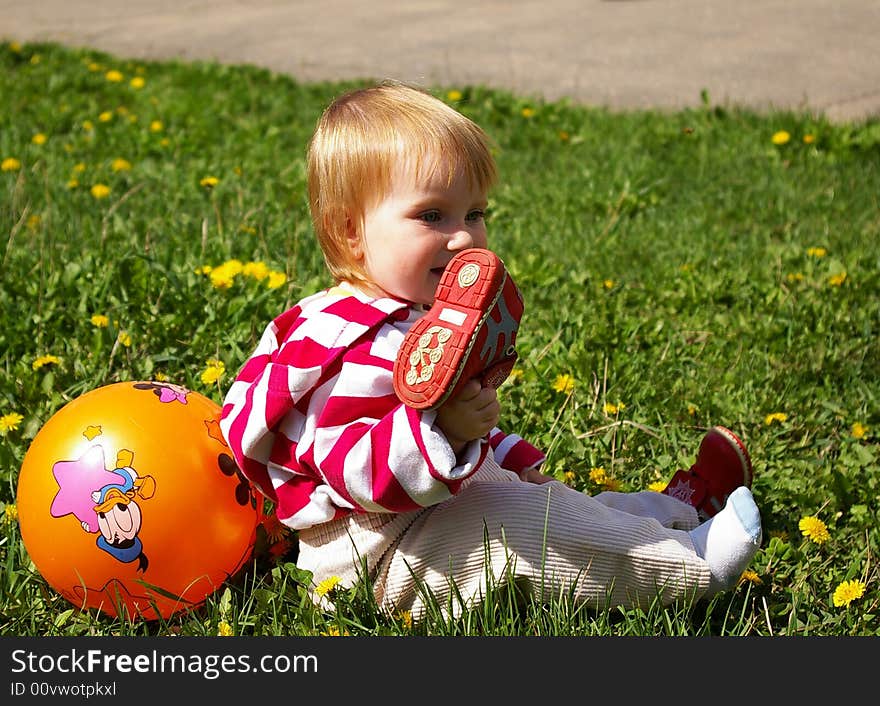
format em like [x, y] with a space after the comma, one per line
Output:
[353, 237]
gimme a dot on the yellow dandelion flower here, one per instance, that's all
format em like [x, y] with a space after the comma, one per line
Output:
[859, 430]
[15, 47]
[204, 270]
[406, 619]
[72, 183]
[816, 252]
[9, 422]
[608, 283]
[10, 164]
[276, 279]
[224, 629]
[137, 82]
[454, 95]
[209, 182]
[334, 631]
[221, 279]
[114, 76]
[837, 279]
[749, 576]
[213, 372]
[814, 529]
[156, 126]
[120, 165]
[692, 409]
[99, 321]
[598, 475]
[564, 383]
[10, 513]
[94, 67]
[657, 486]
[611, 408]
[515, 375]
[847, 592]
[160, 377]
[88, 125]
[781, 137]
[124, 339]
[809, 139]
[568, 477]
[34, 221]
[100, 191]
[528, 112]
[45, 360]
[106, 116]
[326, 586]
[36, 58]
[258, 270]
[775, 417]
[39, 139]
[164, 142]
[794, 277]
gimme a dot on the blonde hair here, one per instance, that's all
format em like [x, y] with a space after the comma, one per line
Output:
[359, 141]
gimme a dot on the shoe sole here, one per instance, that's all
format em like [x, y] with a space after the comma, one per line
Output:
[425, 375]
[740, 448]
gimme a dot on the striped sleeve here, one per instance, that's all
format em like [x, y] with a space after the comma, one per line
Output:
[514, 453]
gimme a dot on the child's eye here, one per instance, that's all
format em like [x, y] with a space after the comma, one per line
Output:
[476, 215]
[430, 216]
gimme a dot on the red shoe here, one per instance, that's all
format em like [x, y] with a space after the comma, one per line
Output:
[470, 331]
[722, 466]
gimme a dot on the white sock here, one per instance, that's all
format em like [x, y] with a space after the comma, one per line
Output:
[729, 540]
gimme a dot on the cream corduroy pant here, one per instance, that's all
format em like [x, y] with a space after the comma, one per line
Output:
[615, 549]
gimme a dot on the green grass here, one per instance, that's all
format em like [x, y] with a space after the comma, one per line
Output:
[669, 264]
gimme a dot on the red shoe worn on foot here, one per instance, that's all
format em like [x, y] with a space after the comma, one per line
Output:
[470, 331]
[722, 466]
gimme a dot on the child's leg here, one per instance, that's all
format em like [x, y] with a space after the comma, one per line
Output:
[668, 511]
[552, 536]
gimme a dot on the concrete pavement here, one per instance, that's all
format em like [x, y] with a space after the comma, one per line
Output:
[816, 55]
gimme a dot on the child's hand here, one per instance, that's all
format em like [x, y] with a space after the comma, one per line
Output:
[470, 415]
[533, 475]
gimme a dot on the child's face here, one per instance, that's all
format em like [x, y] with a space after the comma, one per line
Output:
[409, 236]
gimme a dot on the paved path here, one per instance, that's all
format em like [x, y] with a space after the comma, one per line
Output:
[818, 55]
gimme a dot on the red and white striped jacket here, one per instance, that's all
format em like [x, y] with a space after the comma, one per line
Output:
[314, 424]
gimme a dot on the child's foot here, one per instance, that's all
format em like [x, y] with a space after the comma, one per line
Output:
[470, 331]
[722, 466]
[729, 540]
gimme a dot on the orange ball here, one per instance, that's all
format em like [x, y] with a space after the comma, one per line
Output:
[129, 501]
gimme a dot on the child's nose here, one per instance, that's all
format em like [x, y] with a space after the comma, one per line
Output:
[460, 239]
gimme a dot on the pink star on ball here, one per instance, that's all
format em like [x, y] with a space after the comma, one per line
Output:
[76, 482]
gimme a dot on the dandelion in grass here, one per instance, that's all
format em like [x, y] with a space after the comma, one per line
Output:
[213, 372]
[106, 116]
[10, 514]
[334, 631]
[44, 360]
[224, 629]
[114, 76]
[99, 321]
[137, 82]
[608, 283]
[528, 112]
[276, 279]
[793, 277]
[160, 377]
[10, 164]
[406, 620]
[100, 191]
[33, 221]
[779, 417]
[9, 422]
[156, 126]
[454, 95]
[749, 576]
[15, 47]
[209, 182]
[859, 430]
[568, 477]
[257, 270]
[39, 139]
[120, 165]
[847, 592]
[564, 384]
[327, 586]
[837, 280]
[692, 409]
[124, 339]
[657, 486]
[611, 408]
[809, 139]
[275, 529]
[814, 529]
[94, 67]
[72, 183]
[816, 252]
[781, 137]
[515, 375]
